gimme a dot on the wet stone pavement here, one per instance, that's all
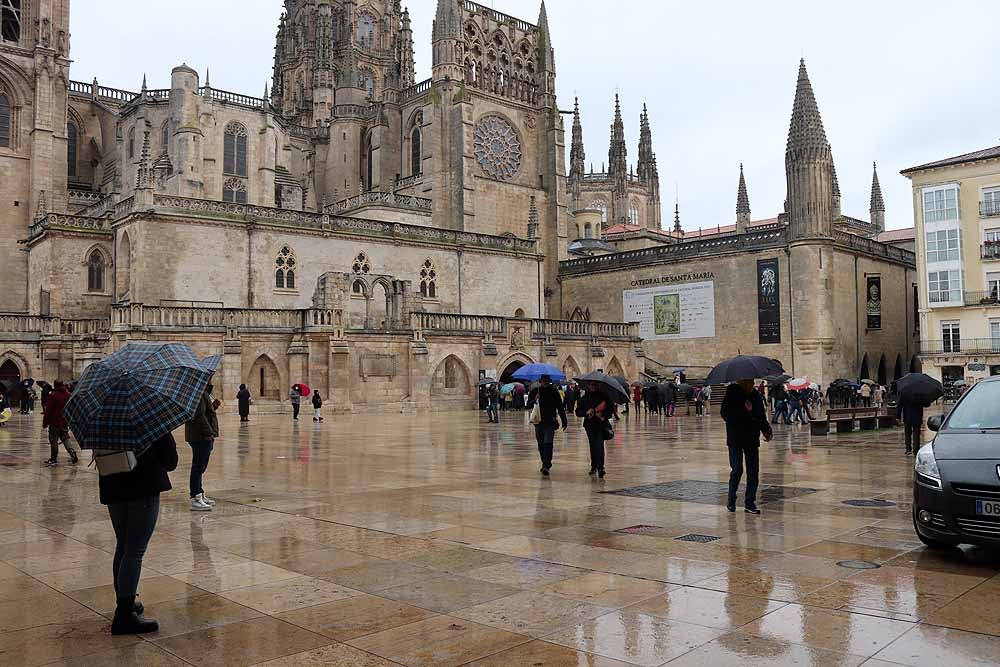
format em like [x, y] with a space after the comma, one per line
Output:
[432, 540]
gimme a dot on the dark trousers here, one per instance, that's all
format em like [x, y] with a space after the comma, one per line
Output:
[736, 455]
[545, 435]
[595, 436]
[134, 523]
[491, 412]
[671, 406]
[295, 410]
[55, 436]
[699, 408]
[638, 406]
[201, 453]
[912, 434]
[781, 411]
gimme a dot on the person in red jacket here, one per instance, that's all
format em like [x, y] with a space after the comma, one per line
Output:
[55, 421]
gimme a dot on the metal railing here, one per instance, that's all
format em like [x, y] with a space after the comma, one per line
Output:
[962, 346]
[989, 209]
[990, 250]
[990, 298]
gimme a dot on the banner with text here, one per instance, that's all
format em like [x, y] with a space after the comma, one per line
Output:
[768, 302]
[874, 305]
[672, 311]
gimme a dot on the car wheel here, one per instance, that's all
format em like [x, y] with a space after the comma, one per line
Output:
[931, 543]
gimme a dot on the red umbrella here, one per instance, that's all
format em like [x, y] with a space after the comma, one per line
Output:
[799, 384]
[303, 389]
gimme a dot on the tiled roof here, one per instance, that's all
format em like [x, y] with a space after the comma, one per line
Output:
[907, 234]
[985, 154]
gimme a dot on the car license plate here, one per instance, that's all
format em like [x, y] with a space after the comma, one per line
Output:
[987, 508]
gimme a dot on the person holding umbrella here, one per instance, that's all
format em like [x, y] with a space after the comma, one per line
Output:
[125, 408]
[597, 407]
[746, 420]
[916, 392]
[295, 396]
[550, 406]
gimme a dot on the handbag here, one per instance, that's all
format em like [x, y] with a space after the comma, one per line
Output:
[536, 414]
[111, 462]
[608, 429]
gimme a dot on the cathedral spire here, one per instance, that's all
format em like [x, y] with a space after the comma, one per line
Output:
[742, 204]
[546, 58]
[878, 202]
[446, 23]
[836, 190]
[645, 167]
[577, 153]
[677, 219]
[618, 154]
[808, 167]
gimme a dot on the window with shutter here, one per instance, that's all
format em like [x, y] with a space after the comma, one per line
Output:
[71, 139]
[4, 121]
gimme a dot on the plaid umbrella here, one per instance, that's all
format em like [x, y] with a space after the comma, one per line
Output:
[136, 396]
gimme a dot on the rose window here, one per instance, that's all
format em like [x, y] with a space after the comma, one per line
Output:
[497, 148]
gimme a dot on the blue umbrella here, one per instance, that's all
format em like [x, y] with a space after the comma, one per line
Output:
[136, 396]
[534, 373]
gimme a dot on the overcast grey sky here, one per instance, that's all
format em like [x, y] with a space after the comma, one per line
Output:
[899, 82]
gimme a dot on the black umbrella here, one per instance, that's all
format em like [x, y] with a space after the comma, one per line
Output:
[485, 382]
[623, 382]
[743, 368]
[684, 390]
[775, 380]
[612, 387]
[27, 383]
[919, 388]
[842, 383]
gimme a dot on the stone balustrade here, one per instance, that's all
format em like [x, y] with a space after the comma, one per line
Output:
[141, 316]
[875, 248]
[590, 330]
[19, 323]
[476, 325]
[376, 198]
[77, 223]
[415, 90]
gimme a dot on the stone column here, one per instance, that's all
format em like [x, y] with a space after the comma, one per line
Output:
[231, 371]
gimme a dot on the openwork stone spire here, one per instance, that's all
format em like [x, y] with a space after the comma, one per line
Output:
[446, 22]
[577, 153]
[878, 203]
[677, 219]
[806, 132]
[645, 168]
[742, 204]
[618, 154]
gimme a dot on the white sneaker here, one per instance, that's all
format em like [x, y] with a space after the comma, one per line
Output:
[205, 499]
[197, 505]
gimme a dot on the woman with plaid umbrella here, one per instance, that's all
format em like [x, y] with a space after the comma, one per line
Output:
[125, 408]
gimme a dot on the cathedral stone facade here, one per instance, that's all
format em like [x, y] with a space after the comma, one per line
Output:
[386, 240]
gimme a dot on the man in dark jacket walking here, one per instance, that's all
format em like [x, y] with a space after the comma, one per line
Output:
[551, 406]
[201, 433]
[55, 422]
[746, 420]
[913, 423]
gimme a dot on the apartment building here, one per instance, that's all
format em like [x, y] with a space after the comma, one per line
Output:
[956, 210]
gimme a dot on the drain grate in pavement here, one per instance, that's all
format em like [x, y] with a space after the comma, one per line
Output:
[700, 539]
[859, 565]
[639, 530]
[706, 493]
[863, 502]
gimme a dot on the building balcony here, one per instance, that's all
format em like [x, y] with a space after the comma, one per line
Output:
[990, 250]
[967, 346]
[989, 209]
[977, 299]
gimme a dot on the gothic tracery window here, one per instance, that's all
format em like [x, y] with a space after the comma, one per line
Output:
[95, 271]
[234, 191]
[131, 144]
[497, 147]
[71, 148]
[234, 159]
[165, 137]
[366, 31]
[416, 155]
[633, 213]
[10, 20]
[428, 280]
[361, 264]
[5, 124]
[602, 206]
[285, 267]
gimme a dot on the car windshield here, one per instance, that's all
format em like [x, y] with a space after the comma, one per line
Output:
[978, 410]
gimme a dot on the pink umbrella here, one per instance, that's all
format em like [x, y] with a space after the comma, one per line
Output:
[799, 384]
[303, 389]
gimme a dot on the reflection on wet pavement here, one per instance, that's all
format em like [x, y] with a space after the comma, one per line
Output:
[432, 540]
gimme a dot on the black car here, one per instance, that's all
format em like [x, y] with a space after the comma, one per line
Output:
[956, 479]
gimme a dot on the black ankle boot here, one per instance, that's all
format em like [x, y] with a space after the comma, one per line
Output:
[128, 622]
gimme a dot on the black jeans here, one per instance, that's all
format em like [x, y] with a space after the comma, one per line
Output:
[736, 455]
[545, 435]
[492, 413]
[134, 523]
[201, 453]
[595, 436]
[912, 434]
[295, 410]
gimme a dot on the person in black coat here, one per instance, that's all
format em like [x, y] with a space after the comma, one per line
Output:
[596, 409]
[913, 423]
[551, 406]
[317, 407]
[133, 501]
[244, 400]
[746, 420]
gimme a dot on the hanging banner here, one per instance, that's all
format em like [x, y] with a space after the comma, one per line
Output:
[768, 302]
[874, 306]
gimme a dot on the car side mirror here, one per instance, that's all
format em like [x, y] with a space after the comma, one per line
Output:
[934, 423]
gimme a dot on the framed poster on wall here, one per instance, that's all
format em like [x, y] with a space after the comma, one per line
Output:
[873, 300]
[768, 302]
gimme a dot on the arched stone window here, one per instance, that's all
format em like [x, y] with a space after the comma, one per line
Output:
[366, 31]
[416, 154]
[588, 233]
[358, 288]
[124, 263]
[71, 149]
[361, 264]
[602, 206]
[428, 280]
[234, 158]
[10, 20]
[633, 213]
[96, 269]
[234, 191]
[131, 144]
[285, 267]
[165, 138]
[5, 121]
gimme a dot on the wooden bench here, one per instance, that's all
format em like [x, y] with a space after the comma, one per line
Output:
[844, 418]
